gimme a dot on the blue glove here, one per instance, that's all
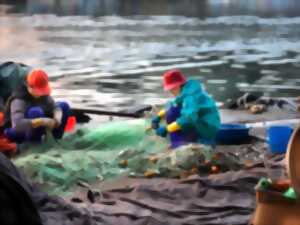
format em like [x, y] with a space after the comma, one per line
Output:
[161, 131]
[155, 122]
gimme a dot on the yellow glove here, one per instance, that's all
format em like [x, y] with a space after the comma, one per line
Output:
[156, 119]
[173, 127]
[161, 113]
[37, 122]
[46, 122]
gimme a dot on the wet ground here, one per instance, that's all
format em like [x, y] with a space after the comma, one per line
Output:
[104, 54]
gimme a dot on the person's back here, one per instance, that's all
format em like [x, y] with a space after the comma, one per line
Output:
[12, 76]
[199, 110]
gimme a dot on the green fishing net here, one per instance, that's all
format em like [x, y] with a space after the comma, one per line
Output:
[110, 150]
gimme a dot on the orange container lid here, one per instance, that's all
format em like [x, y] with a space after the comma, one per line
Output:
[293, 159]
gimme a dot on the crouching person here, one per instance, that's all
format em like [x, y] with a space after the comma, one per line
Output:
[32, 111]
[192, 117]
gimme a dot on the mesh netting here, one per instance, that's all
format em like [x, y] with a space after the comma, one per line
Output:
[90, 154]
[110, 150]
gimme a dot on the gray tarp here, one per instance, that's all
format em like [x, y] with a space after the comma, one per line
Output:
[227, 198]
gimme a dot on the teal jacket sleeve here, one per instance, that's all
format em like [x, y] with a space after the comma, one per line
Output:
[200, 112]
[189, 113]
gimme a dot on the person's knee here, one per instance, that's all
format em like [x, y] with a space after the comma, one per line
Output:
[35, 112]
[64, 106]
[59, 131]
[172, 114]
[13, 135]
[9, 132]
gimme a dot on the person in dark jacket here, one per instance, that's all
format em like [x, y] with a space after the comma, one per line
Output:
[192, 117]
[31, 110]
[12, 76]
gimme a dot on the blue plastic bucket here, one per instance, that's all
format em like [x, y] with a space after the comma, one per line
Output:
[278, 138]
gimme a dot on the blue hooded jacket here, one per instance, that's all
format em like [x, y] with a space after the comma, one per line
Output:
[199, 111]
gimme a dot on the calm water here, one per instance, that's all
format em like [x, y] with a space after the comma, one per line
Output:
[111, 53]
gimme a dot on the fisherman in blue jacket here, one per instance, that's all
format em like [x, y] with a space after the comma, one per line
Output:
[192, 117]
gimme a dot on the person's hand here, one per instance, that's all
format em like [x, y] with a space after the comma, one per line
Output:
[161, 131]
[37, 122]
[49, 123]
[155, 122]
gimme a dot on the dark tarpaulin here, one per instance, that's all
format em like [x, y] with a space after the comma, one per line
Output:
[227, 198]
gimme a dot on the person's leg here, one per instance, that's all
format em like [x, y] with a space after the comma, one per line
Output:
[29, 135]
[13, 135]
[59, 131]
[35, 134]
[177, 137]
[180, 137]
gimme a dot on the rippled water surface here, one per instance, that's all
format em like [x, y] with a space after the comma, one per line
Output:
[114, 58]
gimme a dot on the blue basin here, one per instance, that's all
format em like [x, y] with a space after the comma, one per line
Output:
[232, 134]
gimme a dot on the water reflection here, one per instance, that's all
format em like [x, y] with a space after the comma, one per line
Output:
[193, 8]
